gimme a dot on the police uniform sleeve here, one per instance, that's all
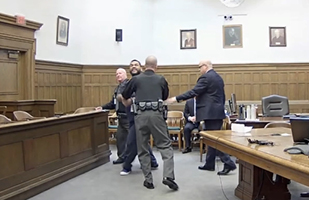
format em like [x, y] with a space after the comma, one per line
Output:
[199, 88]
[129, 89]
[165, 89]
[110, 105]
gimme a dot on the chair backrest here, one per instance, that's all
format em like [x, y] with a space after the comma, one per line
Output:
[226, 123]
[22, 115]
[84, 110]
[4, 119]
[278, 124]
[3, 109]
[175, 118]
[275, 106]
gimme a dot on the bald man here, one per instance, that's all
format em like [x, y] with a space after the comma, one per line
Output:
[150, 92]
[123, 122]
[210, 101]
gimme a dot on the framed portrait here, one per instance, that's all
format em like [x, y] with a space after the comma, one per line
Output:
[188, 39]
[232, 36]
[277, 37]
[63, 25]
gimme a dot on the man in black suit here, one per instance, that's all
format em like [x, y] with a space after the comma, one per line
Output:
[191, 123]
[210, 101]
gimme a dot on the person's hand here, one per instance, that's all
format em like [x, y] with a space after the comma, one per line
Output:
[98, 108]
[119, 98]
[170, 100]
[193, 119]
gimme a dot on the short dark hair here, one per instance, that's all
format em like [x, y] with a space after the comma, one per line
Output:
[135, 60]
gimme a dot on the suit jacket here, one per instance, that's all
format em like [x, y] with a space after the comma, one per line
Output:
[189, 109]
[210, 96]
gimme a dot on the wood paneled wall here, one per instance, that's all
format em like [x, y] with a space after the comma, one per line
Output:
[59, 81]
[75, 85]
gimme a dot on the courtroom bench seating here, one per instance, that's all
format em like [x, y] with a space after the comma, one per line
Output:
[24, 116]
[4, 120]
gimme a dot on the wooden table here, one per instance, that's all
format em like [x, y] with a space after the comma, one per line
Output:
[261, 123]
[39, 154]
[257, 163]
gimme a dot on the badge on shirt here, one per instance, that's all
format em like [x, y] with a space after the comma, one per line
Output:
[115, 101]
[132, 109]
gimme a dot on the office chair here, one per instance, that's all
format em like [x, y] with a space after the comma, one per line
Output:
[275, 106]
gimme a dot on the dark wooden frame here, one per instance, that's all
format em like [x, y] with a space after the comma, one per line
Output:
[188, 30]
[270, 36]
[67, 31]
[241, 36]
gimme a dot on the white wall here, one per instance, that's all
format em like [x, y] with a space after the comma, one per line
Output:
[100, 22]
[153, 27]
[173, 15]
[46, 12]
[92, 29]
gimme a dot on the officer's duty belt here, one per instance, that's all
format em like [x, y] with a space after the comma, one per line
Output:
[122, 115]
[155, 106]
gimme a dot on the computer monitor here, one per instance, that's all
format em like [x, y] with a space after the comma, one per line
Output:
[234, 104]
[300, 129]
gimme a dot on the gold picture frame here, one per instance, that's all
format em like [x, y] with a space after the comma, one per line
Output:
[232, 36]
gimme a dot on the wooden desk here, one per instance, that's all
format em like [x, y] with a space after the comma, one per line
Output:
[36, 155]
[262, 121]
[37, 107]
[257, 163]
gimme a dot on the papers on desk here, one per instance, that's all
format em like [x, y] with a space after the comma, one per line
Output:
[241, 129]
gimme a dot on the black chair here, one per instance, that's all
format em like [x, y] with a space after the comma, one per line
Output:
[275, 106]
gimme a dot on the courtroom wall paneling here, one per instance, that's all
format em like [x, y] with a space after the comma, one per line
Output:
[250, 82]
[59, 81]
[75, 85]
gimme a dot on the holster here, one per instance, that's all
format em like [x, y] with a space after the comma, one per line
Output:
[165, 111]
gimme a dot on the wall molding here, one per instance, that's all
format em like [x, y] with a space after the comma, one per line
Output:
[8, 19]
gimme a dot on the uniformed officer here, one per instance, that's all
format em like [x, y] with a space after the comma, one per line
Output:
[123, 123]
[131, 150]
[150, 92]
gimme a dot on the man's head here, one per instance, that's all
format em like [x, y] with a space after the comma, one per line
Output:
[121, 75]
[151, 63]
[232, 31]
[277, 33]
[188, 35]
[205, 66]
[135, 67]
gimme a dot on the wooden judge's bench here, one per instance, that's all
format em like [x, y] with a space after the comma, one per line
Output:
[38, 154]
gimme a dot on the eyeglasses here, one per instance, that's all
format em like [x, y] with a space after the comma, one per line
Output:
[201, 65]
[260, 142]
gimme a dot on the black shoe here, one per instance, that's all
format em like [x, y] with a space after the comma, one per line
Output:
[206, 168]
[118, 161]
[154, 166]
[170, 183]
[304, 194]
[148, 185]
[225, 171]
[187, 150]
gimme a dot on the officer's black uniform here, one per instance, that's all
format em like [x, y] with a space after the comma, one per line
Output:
[123, 123]
[150, 89]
